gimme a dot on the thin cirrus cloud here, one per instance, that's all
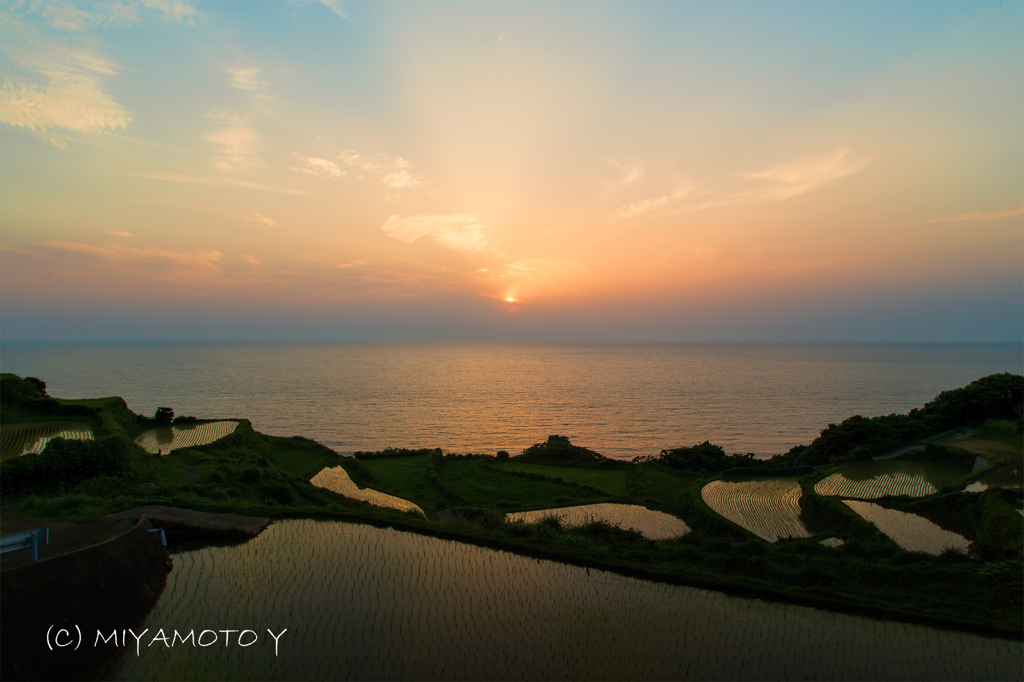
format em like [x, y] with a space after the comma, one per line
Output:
[70, 18]
[58, 87]
[631, 170]
[120, 252]
[459, 231]
[312, 165]
[220, 180]
[646, 205]
[352, 264]
[119, 234]
[335, 6]
[529, 276]
[260, 218]
[773, 184]
[236, 148]
[249, 258]
[978, 215]
[393, 171]
[60, 91]
[237, 141]
[793, 179]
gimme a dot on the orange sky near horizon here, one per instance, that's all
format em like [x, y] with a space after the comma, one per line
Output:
[319, 156]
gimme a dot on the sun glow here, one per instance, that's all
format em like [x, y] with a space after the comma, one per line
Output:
[510, 300]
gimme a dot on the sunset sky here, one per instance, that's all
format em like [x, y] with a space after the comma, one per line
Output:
[580, 171]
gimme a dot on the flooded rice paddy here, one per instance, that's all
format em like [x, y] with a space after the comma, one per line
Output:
[337, 480]
[768, 509]
[1009, 475]
[654, 525]
[32, 437]
[366, 603]
[871, 480]
[164, 439]
[911, 532]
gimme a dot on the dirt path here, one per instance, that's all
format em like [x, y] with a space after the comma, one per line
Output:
[250, 524]
[67, 536]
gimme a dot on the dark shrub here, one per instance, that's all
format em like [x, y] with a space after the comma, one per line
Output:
[251, 475]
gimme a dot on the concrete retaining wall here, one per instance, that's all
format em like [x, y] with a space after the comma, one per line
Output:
[106, 587]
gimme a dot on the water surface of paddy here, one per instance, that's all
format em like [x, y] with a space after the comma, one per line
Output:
[654, 525]
[337, 480]
[31, 437]
[911, 532]
[366, 603]
[874, 479]
[164, 439]
[770, 509]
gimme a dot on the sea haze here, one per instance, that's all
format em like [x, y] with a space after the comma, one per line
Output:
[621, 400]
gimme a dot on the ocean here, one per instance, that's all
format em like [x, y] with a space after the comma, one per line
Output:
[620, 400]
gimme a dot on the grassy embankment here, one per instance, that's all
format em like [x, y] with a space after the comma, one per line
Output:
[251, 473]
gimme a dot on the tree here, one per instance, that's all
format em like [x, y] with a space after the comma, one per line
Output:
[164, 415]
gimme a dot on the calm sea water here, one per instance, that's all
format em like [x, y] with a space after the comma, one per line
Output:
[621, 400]
[376, 604]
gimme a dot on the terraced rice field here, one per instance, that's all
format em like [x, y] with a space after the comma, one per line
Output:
[376, 604]
[654, 525]
[167, 438]
[1010, 475]
[32, 437]
[872, 480]
[337, 480]
[768, 509]
[911, 532]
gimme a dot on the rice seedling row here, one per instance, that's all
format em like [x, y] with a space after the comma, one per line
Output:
[167, 438]
[337, 480]
[32, 437]
[911, 532]
[654, 525]
[368, 603]
[883, 485]
[768, 509]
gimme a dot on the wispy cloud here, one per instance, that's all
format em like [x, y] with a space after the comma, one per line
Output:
[529, 276]
[132, 253]
[56, 83]
[460, 232]
[393, 171]
[57, 87]
[67, 17]
[250, 79]
[993, 215]
[792, 179]
[249, 258]
[335, 6]
[236, 147]
[173, 10]
[220, 180]
[772, 184]
[312, 165]
[352, 264]
[260, 218]
[237, 141]
[119, 234]
[646, 205]
[631, 171]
